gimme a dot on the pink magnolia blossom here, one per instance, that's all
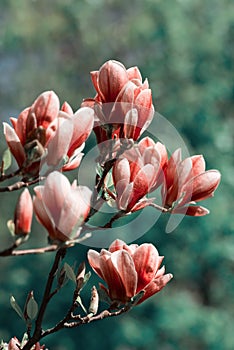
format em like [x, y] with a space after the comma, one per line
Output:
[23, 213]
[60, 207]
[138, 173]
[187, 182]
[123, 101]
[33, 124]
[128, 270]
[45, 134]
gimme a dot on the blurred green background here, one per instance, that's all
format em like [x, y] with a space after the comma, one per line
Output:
[185, 48]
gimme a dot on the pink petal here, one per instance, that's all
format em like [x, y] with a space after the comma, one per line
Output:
[13, 122]
[192, 210]
[161, 271]
[124, 264]
[14, 144]
[151, 156]
[134, 73]
[83, 124]
[73, 162]
[198, 164]
[59, 144]
[146, 263]
[74, 211]
[155, 286]
[145, 143]
[171, 170]
[135, 167]
[130, 123]
[67, 109]
[141, 184]
[204, 185]
[20, 125]
[94, 77]
[112, 77]
[121, 171]
[143, 102]
[43, 217]
[46, 108]
[163, 153]
[57, 189]
[111, 276]
[123, 198]
[84, 199]
[94, 261]
[118, 244]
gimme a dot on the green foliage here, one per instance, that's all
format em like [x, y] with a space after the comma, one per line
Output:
[6, 158]
[70, 273]
[16, 307]
[32, 308]
[185, 49]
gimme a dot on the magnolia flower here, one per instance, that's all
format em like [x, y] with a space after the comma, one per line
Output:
[69, 139]
[187, 182]
[129, 270]
[138, 173]
[43, 129]
[23, 213]
[60, 207]
[123, 102]
[33, 124]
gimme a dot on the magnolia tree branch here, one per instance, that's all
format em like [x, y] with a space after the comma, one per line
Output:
[69, 316]
[101, 316]
[83, 320]
[117, 216]
[50, 248]
[11, 252]
[4, 177]
[20, 184]
[46, 298]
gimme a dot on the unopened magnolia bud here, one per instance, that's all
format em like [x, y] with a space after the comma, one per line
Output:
[23, 214]
[94, 301]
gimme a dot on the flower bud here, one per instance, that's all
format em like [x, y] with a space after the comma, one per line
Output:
[23, 214]
[93, 307]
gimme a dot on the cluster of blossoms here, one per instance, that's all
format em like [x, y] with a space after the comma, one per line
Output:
[44, 133]
[47, 140]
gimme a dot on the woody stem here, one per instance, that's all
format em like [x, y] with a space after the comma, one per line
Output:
[46, 298]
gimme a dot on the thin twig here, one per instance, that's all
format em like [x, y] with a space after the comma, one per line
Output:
[117, 216]
[101, 316]
[107, 167]
[20, 184]
[69, 316]
[11, 252]
[158, 207]
[4, 177]
[46, 298]
[83, 320]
